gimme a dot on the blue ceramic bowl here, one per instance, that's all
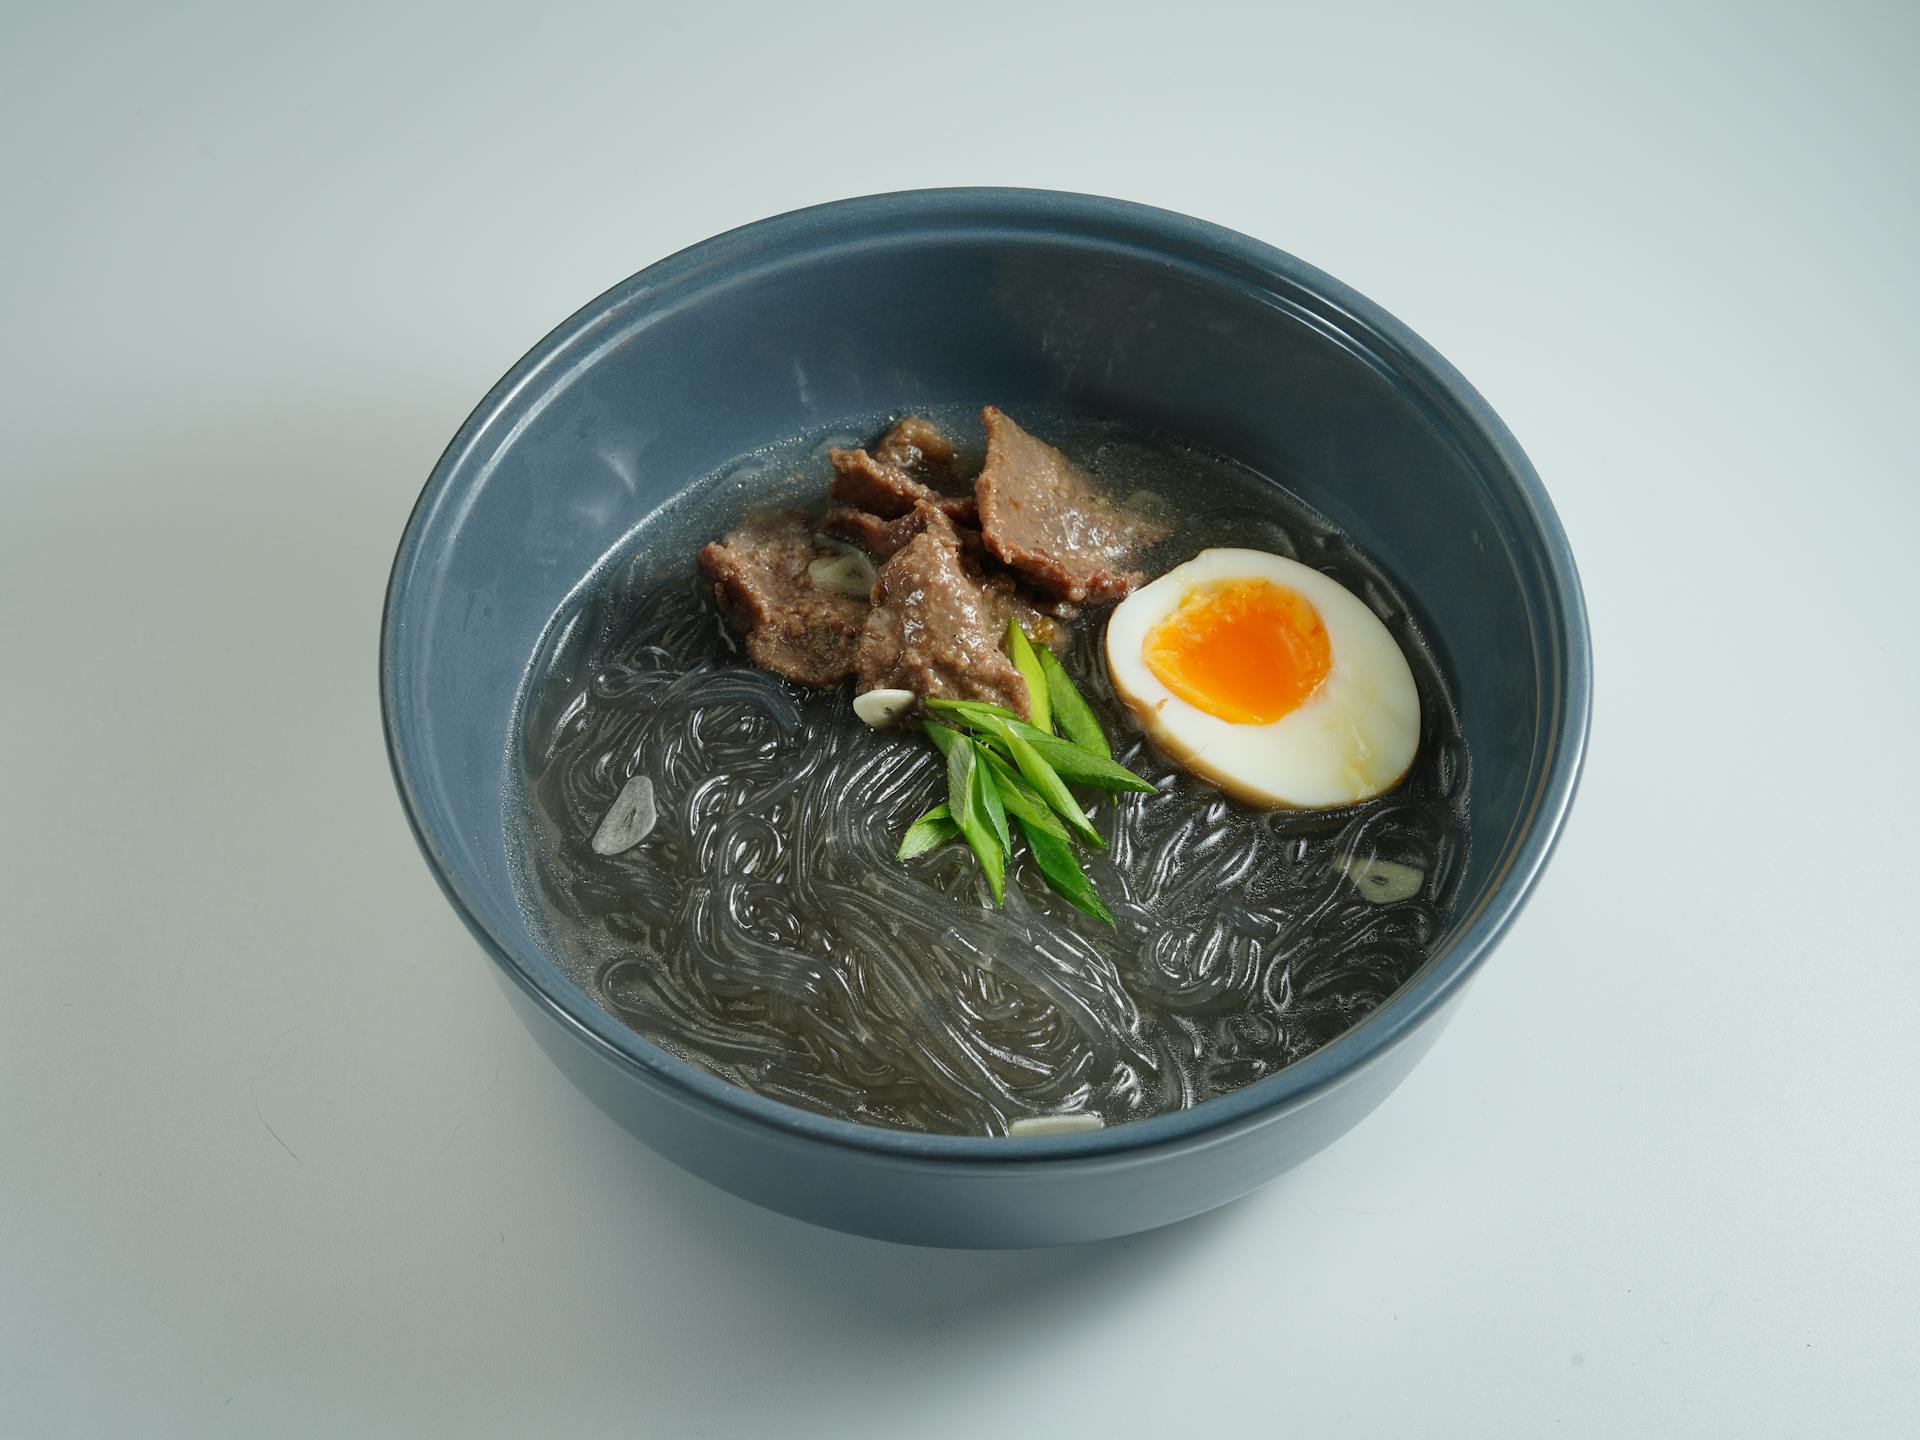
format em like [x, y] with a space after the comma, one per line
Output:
[1023, 298]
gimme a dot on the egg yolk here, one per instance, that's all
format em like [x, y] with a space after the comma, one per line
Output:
[1245, 651]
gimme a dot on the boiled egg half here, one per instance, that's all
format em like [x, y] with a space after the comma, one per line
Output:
[1268, 678]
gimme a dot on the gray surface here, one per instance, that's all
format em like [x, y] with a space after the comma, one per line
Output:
[276, 1158]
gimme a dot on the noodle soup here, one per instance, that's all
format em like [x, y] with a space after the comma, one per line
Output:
[761, 925]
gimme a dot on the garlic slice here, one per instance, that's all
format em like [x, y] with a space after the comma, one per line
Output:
[1385, 881]
[629, 820]
[1055, 1124]
[881, 708]
[851, 574]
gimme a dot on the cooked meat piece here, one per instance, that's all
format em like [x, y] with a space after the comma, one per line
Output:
[935, 629]
[792, 627]
[1041, 516]
[1045, 624]
[861, 480]
[913, 461]
[921, 449]
[879, 538]
[885, 538]
[1044, 620]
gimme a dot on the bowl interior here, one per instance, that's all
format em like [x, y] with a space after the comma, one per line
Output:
[963, 297]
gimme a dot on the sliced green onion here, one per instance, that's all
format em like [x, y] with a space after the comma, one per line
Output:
[963, 801]
[1019, 800]
[1070, 761]
[929, 832]
[1072, 716]
[987, 799]
[1004, 773]
[960, 783]
[1042, 777]
[993, 860]
[1020, 651]
[1063, 873]
[970, 709]
[942, 737]
[1078, 766]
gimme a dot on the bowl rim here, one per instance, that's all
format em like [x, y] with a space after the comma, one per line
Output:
[921, 214]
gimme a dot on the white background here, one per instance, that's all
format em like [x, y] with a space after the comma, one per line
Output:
[276, 1159]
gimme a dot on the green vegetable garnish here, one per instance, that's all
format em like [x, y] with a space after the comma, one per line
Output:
[1078, 766]
[1020, 651]
[929, 832]
[969, 709]
[1074, 764]
[1006, 775]
[1046, 783]
[1055, 858]
[1020, 802]
[965, 802]
[1072, 716]
[987, 795]
[960, 783]
[942, 737]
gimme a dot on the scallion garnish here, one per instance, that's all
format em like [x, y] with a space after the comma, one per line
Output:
[1072, 716]
[1020, 651]
[1006, 774]
[929, 832]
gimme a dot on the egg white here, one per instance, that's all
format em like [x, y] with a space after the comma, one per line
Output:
[1352, 739]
